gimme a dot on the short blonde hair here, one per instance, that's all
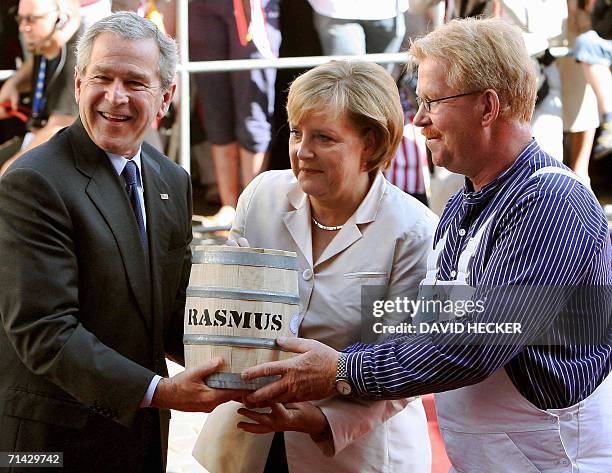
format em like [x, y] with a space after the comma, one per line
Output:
[484, 54]
[365, 91]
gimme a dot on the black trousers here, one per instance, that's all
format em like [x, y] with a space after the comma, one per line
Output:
[277, 457]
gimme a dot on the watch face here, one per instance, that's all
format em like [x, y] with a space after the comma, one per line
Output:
[343, 387]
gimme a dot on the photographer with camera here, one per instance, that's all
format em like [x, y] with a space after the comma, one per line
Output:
[50, 29]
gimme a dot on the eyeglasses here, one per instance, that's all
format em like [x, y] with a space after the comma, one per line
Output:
[30, 19]
[427, 103]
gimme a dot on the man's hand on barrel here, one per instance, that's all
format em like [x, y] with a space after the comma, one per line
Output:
[306, 377]
[295, 416]
[240, 242]
[187, 391]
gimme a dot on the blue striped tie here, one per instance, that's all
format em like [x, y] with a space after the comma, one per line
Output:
[130, 172]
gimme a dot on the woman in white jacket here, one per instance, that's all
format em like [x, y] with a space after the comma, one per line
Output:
[350, 228]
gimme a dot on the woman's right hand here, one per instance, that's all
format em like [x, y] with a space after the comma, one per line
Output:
[296, 417]
[240, 242]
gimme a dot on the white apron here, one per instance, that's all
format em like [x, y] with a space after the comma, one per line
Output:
[490, 427]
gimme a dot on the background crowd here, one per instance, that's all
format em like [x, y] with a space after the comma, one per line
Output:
[239, 119]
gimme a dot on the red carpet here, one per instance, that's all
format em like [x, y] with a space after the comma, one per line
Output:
[440, 463]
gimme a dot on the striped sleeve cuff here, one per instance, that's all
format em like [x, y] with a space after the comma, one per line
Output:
[354, 371]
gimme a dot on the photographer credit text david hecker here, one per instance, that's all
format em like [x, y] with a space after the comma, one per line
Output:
[435, 316]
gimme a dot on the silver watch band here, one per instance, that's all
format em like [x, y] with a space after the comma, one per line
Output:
[343, 386]
[341, 373]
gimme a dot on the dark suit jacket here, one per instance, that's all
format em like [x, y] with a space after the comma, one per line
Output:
[86, 320]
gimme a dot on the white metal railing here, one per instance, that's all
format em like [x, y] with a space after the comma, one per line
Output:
[186, 67]
[285, 62]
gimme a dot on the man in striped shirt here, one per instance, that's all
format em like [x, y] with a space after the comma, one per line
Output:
[532, 242]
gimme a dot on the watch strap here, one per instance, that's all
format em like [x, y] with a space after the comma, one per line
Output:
[341, 373]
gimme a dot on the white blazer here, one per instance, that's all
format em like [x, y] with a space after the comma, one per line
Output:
[386, 241]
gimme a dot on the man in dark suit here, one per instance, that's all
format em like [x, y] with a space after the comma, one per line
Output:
[95, 227]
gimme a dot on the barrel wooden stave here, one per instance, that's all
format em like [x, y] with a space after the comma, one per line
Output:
[267, 283]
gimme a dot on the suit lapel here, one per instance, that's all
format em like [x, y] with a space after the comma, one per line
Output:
[158, 218]
[108, 194]
[345, 238]
[365, 213]
[350, 232]
[297, 222]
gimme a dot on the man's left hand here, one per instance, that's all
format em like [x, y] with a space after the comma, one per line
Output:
[306, 377]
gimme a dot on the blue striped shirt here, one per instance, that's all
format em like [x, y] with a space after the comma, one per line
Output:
[547, 231]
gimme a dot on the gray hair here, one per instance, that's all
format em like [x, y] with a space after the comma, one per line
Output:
[130, 26]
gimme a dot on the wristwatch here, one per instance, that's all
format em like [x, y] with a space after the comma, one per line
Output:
[343, 386]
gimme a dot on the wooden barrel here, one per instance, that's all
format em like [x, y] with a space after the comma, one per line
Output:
[239, 300]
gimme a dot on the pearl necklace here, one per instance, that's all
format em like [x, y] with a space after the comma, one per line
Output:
[325, 227]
